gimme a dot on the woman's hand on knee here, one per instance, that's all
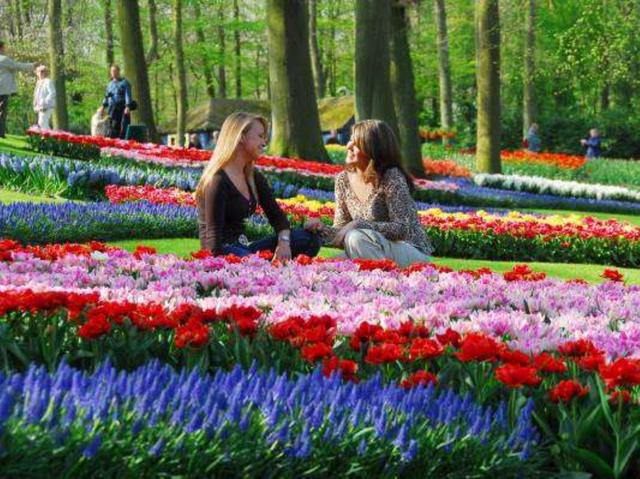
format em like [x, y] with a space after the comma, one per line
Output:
[314, 225]
[338, 240]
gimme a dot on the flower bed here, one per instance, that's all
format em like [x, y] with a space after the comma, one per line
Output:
[492, 336]
[534, 316]
[570, 189]
[146, 423]
[82, 180]
[46, 223]
[26, 174]
[567, 345]
[513, 236]
[444, 168]
[559, 160]
[62, 143]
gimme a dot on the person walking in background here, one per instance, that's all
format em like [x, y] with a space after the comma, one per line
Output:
[534, 143]
[119, 103]
[593, 144]
[194, 141]
[8, 86]
[44, 98]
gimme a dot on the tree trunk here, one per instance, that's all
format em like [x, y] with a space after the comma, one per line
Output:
[444, 69]
[330, 60]
[316, 63]
[404, 93]
[26, 11]
[153, 53]
[206, 63]
[237, 49]
[181, 86]
[529, 101]
[108, 29]
[296, 124]
[222, 72]
[372, 76]
[69, 15]
[17, 11]
[605, 95]
[128, 13]
[56, 59]
[488, 77]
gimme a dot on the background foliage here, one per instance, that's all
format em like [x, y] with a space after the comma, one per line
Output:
[587, 62]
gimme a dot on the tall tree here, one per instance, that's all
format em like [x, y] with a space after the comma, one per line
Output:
[207, 68]
[444, 69]
[529, 100]
[404, 93]
[182, 74]
[237, 49]
[488, 78]
[222, 72]
[372, 65]
[56, 59]
[17, 12]
[296, 124]
[153, 54]
[314, 48]
[128, 13]
[108, 30]
[69, 13]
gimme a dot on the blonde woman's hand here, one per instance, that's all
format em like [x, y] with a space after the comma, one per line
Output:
[282, 252]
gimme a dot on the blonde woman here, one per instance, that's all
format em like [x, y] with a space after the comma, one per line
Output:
[230, 190]
[375, 215]
[44, 97]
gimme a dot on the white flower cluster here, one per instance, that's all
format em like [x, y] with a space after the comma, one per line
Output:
[571, 189]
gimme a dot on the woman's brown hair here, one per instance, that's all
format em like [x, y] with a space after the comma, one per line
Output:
[377, 140]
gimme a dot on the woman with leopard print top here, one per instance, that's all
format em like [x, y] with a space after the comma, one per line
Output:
[375, 215]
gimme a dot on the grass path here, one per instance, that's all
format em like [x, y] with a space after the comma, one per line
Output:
[588, 272]
[15, 144]
[7, 196]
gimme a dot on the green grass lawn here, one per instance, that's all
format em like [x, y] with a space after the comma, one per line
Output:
[15, 144]
[7, 196]
[588, 272]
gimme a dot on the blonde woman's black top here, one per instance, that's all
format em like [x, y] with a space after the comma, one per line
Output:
[222, 211]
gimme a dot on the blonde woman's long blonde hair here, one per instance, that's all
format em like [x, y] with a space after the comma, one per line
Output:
[231, 133]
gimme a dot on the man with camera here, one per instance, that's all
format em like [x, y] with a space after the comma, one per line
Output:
[119, 103]
[8, 86]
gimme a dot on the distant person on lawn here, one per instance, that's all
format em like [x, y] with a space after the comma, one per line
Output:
[375, 215]
[194, 142]
[118, 102]
[593, 144]
[44, 98]
[534, 143]
[8, 86]
[231, 188]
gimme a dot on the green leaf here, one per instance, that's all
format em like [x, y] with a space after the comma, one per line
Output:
[593, 462]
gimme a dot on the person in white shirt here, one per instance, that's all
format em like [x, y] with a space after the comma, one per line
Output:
[8, 87]
[44, 97]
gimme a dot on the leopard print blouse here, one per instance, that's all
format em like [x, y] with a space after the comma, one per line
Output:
[389, 210]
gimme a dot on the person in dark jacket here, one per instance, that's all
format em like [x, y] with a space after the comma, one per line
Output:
[593, 144]
[230, 189]
[119, 103]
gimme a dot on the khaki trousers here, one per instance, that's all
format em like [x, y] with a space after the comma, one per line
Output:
[369, 244]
